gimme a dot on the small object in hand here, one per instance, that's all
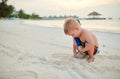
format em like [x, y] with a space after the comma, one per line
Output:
[81, 55]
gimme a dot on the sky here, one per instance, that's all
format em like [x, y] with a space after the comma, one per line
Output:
[81, 8]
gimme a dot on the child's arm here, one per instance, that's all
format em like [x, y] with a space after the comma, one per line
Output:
[78, 43]
[89, 43]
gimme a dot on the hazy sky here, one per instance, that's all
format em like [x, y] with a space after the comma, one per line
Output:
[108, 8]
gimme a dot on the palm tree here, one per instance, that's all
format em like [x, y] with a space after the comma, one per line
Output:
[5, 10]
[21, 14]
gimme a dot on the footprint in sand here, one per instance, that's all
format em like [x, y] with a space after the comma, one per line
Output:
[101, 64]
[8, 51]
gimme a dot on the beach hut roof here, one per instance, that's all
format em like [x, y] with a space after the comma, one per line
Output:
[94, 13]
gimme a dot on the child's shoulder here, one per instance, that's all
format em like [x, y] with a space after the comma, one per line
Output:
[86, 31]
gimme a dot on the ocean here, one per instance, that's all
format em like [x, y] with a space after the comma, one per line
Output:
[112, 26]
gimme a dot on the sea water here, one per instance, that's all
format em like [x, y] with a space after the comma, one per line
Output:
[112, 26]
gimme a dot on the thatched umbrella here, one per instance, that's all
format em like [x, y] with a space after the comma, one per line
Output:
[94, 13]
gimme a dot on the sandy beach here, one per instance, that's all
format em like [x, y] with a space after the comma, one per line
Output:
[39, 52]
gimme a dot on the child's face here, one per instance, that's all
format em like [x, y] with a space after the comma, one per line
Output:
[74, 33]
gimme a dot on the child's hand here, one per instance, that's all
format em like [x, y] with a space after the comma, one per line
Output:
[79, 49]
[75, 54]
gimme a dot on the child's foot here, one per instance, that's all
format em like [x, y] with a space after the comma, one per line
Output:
[90, 60]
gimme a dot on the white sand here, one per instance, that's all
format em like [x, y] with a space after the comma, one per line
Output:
[37, 52]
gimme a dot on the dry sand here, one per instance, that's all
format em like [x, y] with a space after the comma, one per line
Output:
[38, 52]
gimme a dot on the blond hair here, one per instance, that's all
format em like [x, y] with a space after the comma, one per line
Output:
[71, 24]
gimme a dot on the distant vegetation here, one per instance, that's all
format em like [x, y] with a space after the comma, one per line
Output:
[22, 15]
[59, 17]
[5, 10]
[8, 11]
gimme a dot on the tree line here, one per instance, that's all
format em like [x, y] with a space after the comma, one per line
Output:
[22, 15]
[5, 10]
[8, 11]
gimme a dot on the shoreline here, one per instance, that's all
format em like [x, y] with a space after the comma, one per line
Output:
[50, 26]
